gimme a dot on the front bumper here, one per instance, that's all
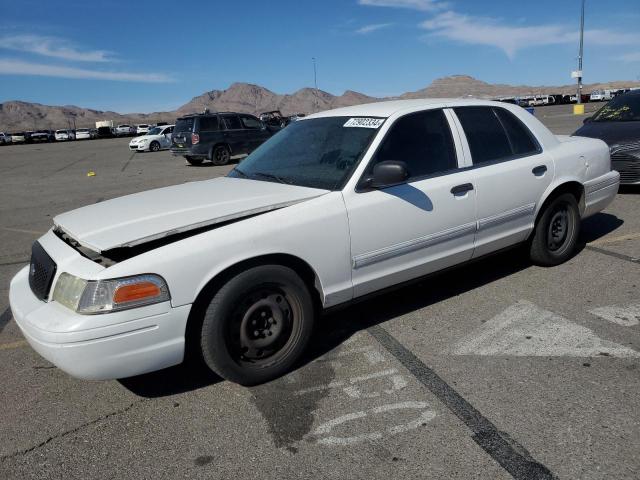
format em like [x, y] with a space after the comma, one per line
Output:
[138, 148]
[131, 342]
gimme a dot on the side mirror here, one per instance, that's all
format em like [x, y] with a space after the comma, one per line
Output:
[587, 120]
[387, 174]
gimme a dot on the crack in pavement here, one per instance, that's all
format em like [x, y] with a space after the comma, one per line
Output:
[72, 431]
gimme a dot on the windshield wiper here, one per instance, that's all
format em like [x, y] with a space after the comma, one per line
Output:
[272, 176]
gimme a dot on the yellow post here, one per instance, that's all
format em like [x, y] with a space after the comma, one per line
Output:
[578, 109]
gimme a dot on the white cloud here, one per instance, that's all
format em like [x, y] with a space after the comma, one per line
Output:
[510, 39]
[424, 5]
[630, 57]
[372, 28]
[52, 47]
[18, 67]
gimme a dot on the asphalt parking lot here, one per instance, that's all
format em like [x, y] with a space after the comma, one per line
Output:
[495, 370]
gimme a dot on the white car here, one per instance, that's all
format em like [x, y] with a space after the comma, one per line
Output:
[158, 138]
[336, 206]
[62, 135]
[83, 134]
[5, 138]
[124, 130]
[142, 129]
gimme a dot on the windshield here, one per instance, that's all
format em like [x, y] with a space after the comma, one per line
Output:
[154, 131]
[142, 125]
[82, 130]
[61, 131]
[621, 109]
[316, 153]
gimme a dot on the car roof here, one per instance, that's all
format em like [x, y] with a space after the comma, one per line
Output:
[389, 108]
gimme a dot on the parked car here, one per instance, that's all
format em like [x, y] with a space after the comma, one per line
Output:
[274, 119]
[600, 96]
[93, 132]
[42, 136]
[124, 130]
[83, 134]
[618, 124]
[217, 136]
[158, 138]
[63, 135]
[142, 129]
[336, 206]
[5, 138]
[105, 132]
[18, 137]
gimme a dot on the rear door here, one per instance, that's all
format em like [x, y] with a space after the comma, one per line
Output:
[510, 172]
[235, 135]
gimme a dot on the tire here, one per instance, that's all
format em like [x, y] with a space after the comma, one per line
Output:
[193, 160]
[257, 325]
[154, 147]
[220, 155]
[556, 232]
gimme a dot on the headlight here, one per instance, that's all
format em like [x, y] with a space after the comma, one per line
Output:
[104, 296]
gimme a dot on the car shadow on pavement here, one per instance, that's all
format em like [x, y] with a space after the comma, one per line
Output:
[182, 378]
[335, 327]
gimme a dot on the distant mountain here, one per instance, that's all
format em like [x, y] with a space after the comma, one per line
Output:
[248, 98]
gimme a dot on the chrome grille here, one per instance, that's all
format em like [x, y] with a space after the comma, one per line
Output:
[41, 272]
[627, 165]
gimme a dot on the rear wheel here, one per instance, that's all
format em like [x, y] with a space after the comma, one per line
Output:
[556, 232]
[220, 155]
[257, 325]
[154, 147]
[193, 160]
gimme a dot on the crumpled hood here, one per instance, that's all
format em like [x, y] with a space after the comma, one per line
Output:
[145, 216]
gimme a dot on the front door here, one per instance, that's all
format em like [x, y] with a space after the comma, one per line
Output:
[426, 224]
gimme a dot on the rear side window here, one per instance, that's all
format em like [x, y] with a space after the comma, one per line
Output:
[423, 141]
[250, 122]
[487, 139]
[522, 140]
[184, 125]
[232, 122]
[209, 124]
[495, 134]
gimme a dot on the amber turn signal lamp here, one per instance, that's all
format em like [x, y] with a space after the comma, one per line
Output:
[136, 291]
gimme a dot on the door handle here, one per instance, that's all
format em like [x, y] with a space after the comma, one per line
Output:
[462, 189]
[539, 170]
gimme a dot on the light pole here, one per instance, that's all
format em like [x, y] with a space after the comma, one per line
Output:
[581, 54]
[315, 82]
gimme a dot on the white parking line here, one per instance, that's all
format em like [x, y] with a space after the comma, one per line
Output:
[525, 329]
[627, 316]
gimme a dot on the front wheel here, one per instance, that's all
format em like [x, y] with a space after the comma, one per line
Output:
[257, 325]
[556, 232]
[154, 147]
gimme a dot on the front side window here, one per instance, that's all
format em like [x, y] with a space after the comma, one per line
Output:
[316, 153]
[423, 141]
[232, 122]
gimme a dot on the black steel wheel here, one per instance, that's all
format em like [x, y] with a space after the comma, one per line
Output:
[556, 231]
[257, 325]
[220, 155]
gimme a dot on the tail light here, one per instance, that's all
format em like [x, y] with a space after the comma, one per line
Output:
[195, 138]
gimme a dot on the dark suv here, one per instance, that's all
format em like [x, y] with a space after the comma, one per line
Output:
[217, 136]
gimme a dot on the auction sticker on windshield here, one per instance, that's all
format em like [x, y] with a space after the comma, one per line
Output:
[364, 122]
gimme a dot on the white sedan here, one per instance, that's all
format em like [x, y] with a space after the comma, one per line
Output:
[83, 134]
[158, 138]
[338, 205]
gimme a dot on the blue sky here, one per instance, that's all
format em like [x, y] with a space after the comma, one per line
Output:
[156, 55]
